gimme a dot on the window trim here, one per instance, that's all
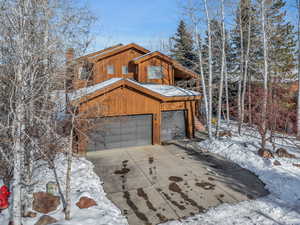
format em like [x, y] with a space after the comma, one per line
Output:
[112, 67]
[125, 67]
[150, 76]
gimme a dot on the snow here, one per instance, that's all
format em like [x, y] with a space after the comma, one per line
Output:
[281, 206]
[84, 182]
[165, 90]
[90, 89]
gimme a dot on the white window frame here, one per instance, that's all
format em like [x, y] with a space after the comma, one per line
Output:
[110, 69]
[155, 72]
[124, 69]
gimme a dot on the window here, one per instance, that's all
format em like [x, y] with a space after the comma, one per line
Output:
[110, 69]
[84, 73]
[124, 69]
[155, 72]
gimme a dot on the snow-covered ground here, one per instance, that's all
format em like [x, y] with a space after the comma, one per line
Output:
[281, 206]
[84, 183]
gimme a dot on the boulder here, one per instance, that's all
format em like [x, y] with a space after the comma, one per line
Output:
[45, 220]
[85, 202]
[30, 214]
[265, 153]
[44, 202]
[225, 133]
[297, 165]
[281, 152]
[276, 163]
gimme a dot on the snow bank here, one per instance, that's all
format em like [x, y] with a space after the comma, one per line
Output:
[281, 206]
[84, 182]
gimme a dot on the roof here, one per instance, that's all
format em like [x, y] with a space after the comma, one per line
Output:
[112, 51]
[162, 92]
[160, 55]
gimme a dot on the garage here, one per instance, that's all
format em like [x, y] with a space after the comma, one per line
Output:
[173, 125]
[120, 132]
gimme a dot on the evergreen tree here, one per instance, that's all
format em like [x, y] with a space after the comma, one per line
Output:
[183, 49]
[281, 42]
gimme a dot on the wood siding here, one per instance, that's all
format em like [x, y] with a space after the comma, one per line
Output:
[167, 67]
[125, 101]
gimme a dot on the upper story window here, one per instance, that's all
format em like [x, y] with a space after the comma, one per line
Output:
[125, 69]
[155, 72]
[84, 72]
[110, 69]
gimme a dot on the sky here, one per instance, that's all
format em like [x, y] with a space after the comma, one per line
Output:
[141, 21]
[144, 22]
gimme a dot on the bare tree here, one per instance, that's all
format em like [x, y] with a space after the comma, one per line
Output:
[298, 103]
[209, 122]
[223, 65]
[33, 35]
[265, 74]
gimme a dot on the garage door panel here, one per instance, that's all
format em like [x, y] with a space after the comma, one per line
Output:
[118, 132]
[173, 125]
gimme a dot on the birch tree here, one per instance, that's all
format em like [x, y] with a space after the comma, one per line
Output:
[33, 36]
[298, 35]
[265, 74]
[209, 122]
[223, 65]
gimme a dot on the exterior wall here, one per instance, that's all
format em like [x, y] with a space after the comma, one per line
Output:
[100, 73]
[119, 102]
[168, 71]
[124, 101]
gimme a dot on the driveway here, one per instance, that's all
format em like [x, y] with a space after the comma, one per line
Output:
[154, 184]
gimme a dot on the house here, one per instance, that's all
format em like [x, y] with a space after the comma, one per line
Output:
[127, 97]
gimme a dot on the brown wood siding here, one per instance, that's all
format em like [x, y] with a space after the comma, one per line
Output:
[118, 60]
[118, 102]
[167, 71]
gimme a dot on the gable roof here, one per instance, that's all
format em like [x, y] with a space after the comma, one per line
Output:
[115, 50]
[100, 52]
[162, 56]
[160, 92]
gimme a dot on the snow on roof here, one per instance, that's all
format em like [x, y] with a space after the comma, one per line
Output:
[142, 56]
[107, 51]
[165, 90]
[90, 89]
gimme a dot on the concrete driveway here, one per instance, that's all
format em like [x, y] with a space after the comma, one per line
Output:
[154, 184]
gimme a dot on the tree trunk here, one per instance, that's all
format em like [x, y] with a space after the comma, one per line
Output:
[241, 70]
[210, 73]
[298, 103]
[222, 69]
[246, 71]
[265, 74]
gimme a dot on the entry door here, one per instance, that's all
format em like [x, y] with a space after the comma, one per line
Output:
[119, 132]
[173, 125]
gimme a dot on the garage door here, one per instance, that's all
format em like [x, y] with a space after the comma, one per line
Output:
[173, 125]
[119, 132]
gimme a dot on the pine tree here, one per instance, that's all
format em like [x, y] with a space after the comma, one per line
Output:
[183, 49]
[281, 42]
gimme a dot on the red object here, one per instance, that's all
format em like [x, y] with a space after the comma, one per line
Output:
[4, 194]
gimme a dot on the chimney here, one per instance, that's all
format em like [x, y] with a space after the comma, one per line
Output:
[69, 55]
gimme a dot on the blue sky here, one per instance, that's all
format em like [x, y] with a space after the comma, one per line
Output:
[141, 21]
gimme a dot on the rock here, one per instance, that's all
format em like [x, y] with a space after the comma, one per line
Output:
[281, 152]
[30, 214]
[44, 202]
[225, 133]
[276, 163]
[85, 202]
[45, 220]
[297, 165]
[265, 153]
